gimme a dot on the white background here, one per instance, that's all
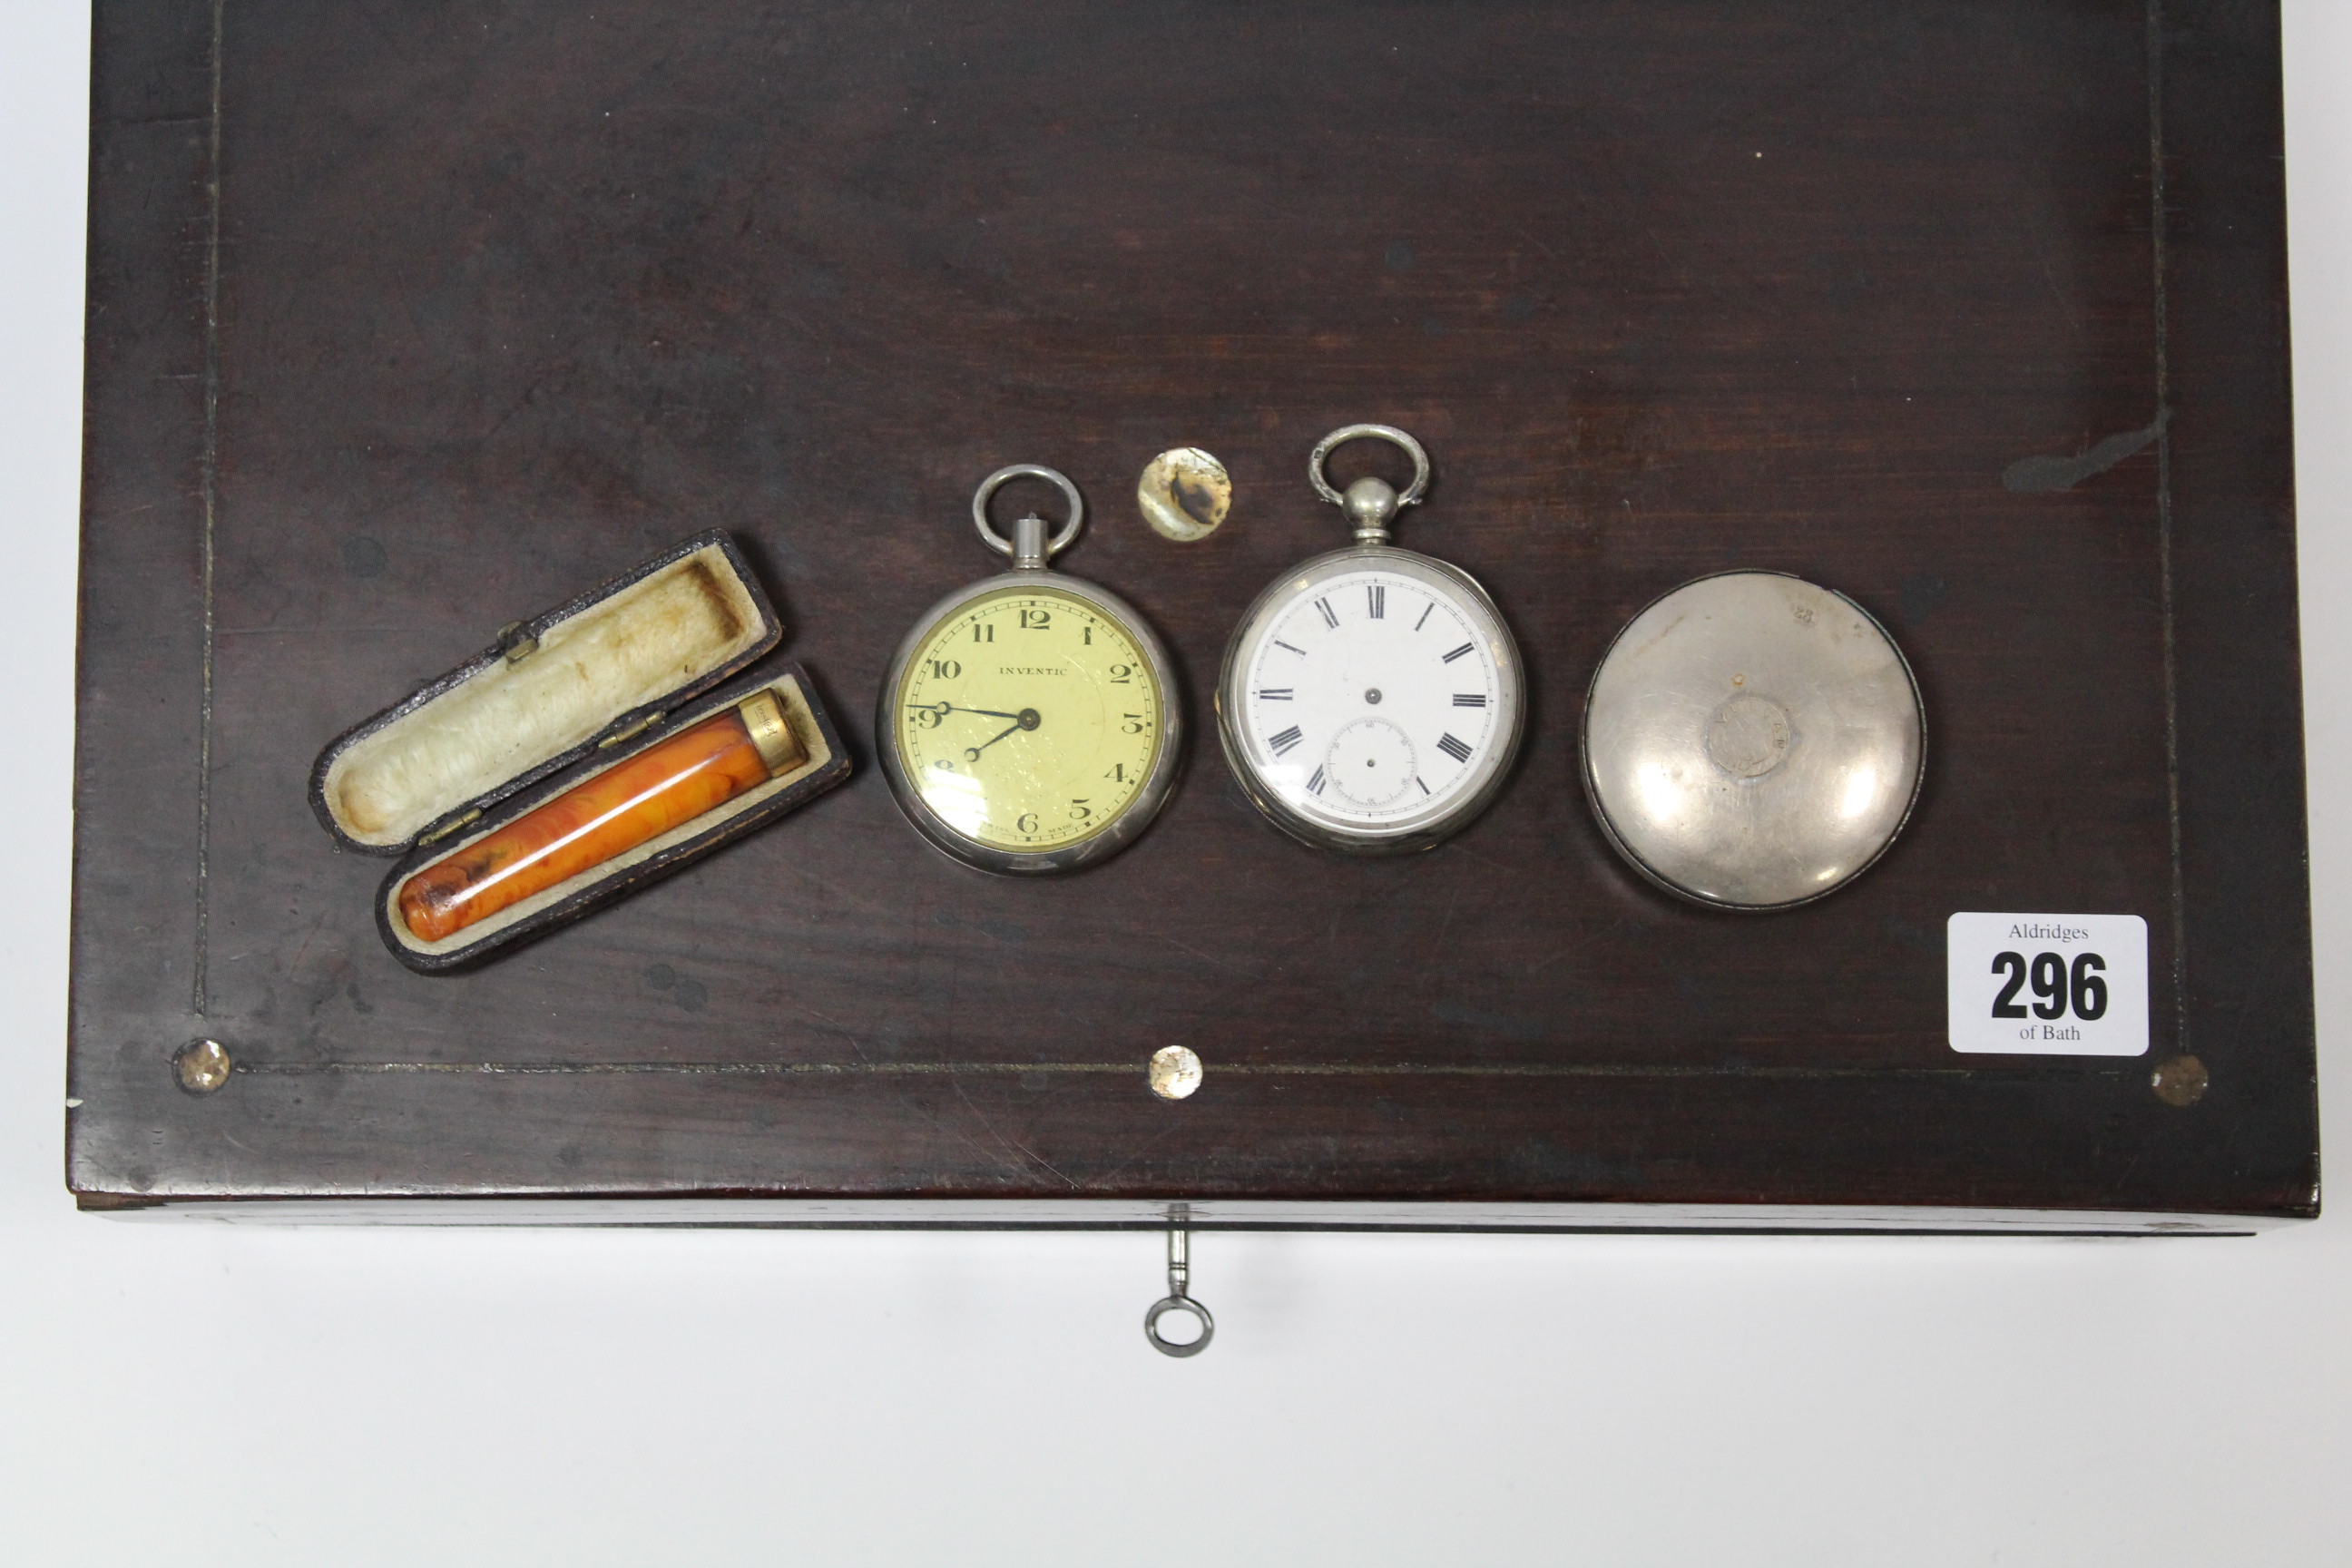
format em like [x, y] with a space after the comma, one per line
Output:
[205, 1394]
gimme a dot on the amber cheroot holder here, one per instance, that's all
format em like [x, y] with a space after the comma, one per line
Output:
[693, 772]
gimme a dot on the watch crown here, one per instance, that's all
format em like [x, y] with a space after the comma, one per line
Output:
[1370, 504]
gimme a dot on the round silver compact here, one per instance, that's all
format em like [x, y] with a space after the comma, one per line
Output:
[1752, 741]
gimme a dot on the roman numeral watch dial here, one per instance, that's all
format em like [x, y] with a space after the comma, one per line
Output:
[1370, 698]
[1028, 721]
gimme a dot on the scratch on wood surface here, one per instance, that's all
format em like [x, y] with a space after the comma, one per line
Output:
[1168, 941]
[1136, 1155]
[1007, 1139]
[1445, 926]
[2048, 476]
[295, 967]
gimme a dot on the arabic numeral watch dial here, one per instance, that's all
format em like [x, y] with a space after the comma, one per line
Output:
[1370, 698]
[1029, 722]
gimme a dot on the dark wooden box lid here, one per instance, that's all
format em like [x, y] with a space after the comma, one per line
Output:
[1975, 313]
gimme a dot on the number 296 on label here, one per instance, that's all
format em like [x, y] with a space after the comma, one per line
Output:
[2051, 985]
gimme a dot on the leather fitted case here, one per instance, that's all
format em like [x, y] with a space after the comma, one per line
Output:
[555, 700]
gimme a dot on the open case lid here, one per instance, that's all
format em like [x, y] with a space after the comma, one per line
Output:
[549, 689]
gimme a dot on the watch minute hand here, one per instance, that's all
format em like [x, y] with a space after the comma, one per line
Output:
[946, 707]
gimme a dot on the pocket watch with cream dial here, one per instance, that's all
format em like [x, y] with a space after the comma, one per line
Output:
[1030, 722]
[1370, 700]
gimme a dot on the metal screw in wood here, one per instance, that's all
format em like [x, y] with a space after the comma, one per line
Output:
[201, 1066]
[2180, 1082]
[1174, 1072]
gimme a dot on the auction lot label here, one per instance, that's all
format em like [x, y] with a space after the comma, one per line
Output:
[2047, 985]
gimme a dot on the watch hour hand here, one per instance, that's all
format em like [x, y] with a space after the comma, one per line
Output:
[971, 753]
[1026, 719]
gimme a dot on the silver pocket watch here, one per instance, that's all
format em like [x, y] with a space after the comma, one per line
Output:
[1370, 700]
[1030, 722]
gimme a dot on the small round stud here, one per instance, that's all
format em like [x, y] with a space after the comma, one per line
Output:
[2181, 1081]
[1184, 494]
[1175, 1072]
[202, 1065]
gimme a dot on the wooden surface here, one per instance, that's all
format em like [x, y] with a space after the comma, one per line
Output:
[489, 306]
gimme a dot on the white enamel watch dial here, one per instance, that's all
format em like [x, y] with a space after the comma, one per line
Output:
[1370, 700]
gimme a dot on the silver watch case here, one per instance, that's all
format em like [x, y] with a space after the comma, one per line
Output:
[1123, 829]
[1409, 835]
